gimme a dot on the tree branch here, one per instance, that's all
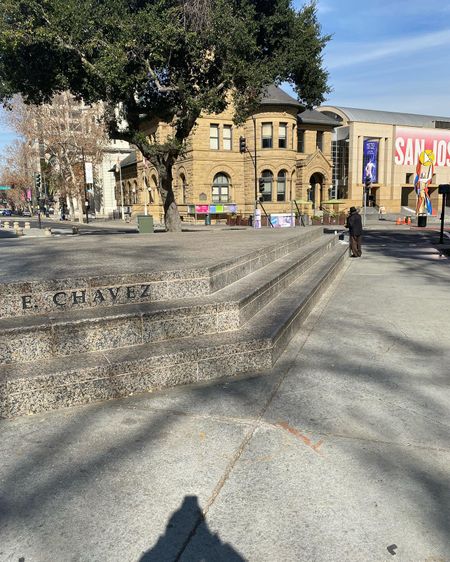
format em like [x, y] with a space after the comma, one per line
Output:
[162, 89]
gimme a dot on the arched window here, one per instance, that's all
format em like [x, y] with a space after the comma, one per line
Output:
[135, 193]
[221, 188]
[281, 185]
[268, 181]
[183, 187]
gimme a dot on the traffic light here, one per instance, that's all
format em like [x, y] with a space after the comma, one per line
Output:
[242, 145]
[262, 184]
[37, 181]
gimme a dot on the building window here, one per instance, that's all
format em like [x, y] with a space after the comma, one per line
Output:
[409, 178]
[282, 135]
[267, 134]
[281, 185]
[220, 189]
[319, 140]
[300, 140]
[293, 137]
[183, 189]
[214, 137]
[268, 181]
[227, 139]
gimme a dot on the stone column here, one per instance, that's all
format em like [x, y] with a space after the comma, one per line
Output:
[359, 162]
[382, 162]
[317, 196]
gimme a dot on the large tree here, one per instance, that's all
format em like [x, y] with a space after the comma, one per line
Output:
[160, 60]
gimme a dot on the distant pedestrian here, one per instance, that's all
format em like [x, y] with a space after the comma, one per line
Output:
[354, 225]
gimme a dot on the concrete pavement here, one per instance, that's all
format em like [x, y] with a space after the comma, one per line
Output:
[341, 453]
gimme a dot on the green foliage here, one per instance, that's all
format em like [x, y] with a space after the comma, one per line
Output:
[164, 60]
[169, 59]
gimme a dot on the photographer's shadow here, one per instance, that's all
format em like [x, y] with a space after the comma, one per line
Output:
[188, 538]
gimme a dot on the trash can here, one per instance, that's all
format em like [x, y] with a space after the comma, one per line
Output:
[422, 221]
[207, 220]
[145, 224]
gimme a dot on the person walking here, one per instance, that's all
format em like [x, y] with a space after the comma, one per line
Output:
[354, 225]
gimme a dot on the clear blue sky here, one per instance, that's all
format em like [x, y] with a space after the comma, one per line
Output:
[391, 55]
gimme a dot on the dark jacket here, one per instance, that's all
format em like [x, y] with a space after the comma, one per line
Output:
[354, 224]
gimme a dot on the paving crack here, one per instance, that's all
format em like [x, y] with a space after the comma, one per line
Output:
[285, 367]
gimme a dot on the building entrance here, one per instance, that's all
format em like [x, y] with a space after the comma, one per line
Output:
[316, 191]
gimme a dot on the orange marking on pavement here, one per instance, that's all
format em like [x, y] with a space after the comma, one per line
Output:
[306, 440]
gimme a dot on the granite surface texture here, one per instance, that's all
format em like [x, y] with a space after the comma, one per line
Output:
[92, 376]
[43, 293]
[227, 309]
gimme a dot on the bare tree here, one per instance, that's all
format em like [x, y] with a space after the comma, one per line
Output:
[17, 171]
[66, 134]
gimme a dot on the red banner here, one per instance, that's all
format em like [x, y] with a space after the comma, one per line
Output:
[410, 142]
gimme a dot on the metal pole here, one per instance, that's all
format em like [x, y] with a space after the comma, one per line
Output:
[121, 191]
[146, 193]
[364, 205]
[444, 200]
[85, 187]
[256, 171]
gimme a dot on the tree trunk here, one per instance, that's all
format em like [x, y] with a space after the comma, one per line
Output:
[71, 207]
[171, 215]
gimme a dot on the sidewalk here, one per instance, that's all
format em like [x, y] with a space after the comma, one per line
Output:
[341, 453]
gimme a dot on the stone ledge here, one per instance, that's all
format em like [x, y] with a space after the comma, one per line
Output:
[34, 297]
[47, 385]
[78, 332]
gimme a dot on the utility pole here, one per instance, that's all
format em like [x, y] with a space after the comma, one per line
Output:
[444, 190]
[86, 202]
[255, 166]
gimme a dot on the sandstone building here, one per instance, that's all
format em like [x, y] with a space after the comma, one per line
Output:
[293, 156]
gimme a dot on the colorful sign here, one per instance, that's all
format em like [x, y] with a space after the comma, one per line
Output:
[212, 209]
[370, 160]
[422, 180]
[282, 220]
[410, 142]
[5, 187]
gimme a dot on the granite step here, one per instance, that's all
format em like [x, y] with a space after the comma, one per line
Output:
[56, 296]
[93, 376]
[77, 331]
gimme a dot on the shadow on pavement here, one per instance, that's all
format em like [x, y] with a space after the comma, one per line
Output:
[182, 525]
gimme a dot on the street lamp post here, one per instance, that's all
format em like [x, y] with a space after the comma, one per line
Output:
[86, 202]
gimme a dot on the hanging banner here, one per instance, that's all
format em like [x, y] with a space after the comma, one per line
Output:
[89, 172]
[370, 160]
[410, 142]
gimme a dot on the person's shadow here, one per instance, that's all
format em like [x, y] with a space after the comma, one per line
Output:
[188, 538]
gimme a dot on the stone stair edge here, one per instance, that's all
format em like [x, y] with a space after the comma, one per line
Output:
[56, 296]
[6, 288]
[222, 300]
[251, 344]
[309, 235]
